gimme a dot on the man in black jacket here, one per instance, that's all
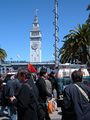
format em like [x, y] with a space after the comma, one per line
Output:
[26, 100]
[76, 106]
[43, 92]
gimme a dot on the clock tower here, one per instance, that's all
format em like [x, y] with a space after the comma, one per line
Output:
[35, 42]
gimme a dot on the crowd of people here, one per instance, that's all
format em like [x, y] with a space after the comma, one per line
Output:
[25, 95]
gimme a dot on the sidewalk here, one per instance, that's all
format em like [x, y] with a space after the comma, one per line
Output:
[55, 116]
[4, 118]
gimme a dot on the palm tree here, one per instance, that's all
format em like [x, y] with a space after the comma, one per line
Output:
[3, 55]
[75, 46]
[88, 23]
[88, 20]
[67, 50]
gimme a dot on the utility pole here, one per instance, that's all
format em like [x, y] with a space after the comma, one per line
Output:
[56, 30]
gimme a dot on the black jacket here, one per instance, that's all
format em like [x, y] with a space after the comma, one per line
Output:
[26, 105]
[76, 106]
[43, 93]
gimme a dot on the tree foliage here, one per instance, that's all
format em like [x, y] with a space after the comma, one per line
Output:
[3, 54]
[76, 45]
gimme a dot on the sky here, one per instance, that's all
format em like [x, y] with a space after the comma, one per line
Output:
[16, 19]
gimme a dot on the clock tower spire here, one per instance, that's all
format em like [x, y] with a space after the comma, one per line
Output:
[35, 42]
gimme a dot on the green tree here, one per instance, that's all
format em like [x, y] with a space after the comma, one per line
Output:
[88, 23]
[88, 20]
[76, 44]
[3, 54]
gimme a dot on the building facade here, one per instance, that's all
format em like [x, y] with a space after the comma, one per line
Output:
[35, 42]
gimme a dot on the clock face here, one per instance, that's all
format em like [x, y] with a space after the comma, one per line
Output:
[34, 46]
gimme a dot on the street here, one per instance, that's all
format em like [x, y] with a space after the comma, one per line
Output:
[54, 115]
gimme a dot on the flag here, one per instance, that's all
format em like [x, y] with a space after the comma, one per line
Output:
[31, 68]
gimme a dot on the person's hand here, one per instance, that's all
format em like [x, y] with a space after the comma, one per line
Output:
[12, 98]
[60, 97]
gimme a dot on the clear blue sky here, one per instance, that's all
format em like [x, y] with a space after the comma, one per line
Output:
[16, 18]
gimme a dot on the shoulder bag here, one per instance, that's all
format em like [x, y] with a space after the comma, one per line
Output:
[82, 91]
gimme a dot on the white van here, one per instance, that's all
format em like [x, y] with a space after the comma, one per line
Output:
[65, 71]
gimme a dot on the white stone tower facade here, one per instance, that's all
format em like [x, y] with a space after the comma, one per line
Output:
[35, 42]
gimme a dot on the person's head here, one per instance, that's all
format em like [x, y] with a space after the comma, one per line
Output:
[76, 76]
[52, 73]
[43, 72]
[23, 74]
